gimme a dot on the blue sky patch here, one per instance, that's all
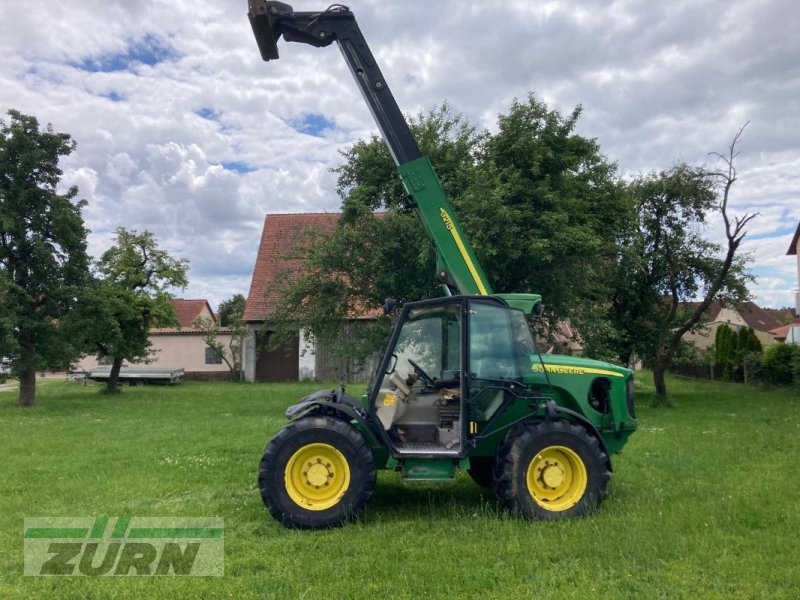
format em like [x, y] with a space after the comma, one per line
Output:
[787, 231]
[239, 167]
[147, 51]
[312, 124]
[208, 113]
[114, 96]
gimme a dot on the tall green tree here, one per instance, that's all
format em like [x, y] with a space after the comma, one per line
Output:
[43, 262]
[748, 351]
[134, 279]
[725, 345]
[545, 211]
[539, 204]
[231, 310]
[665, 260]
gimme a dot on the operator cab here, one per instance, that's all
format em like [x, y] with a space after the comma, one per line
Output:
[444, 371]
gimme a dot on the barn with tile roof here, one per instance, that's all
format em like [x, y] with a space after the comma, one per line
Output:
[277, 258]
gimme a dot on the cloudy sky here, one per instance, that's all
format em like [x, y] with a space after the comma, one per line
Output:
[183, 130]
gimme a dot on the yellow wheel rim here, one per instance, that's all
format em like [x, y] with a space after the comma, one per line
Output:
[317, 476]
[557, 478]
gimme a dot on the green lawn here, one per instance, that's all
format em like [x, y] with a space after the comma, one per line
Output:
[704, 502]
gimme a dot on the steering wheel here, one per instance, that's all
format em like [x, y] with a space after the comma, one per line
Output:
[421, 372]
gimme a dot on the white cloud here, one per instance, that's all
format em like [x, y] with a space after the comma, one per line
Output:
[659, 83]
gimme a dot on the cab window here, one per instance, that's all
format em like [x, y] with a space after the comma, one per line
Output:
[493, 343]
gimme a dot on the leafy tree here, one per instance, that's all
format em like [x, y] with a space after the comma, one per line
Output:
[539, 204]
[796, 366]
[725, 342]
[231, 318]
[708, 358]
[231, 310]
[230, 353]
[748, 351]
[664, 260]
[778, 365]
[134, 277]
[545, 211]
[43, 262]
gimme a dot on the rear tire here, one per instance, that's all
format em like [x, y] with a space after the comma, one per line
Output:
[551, 470]
[316, 472]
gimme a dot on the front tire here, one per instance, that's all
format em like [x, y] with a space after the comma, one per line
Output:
[551, 470]
[316, 472]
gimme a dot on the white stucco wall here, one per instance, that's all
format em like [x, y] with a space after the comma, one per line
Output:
[731, 317]
[179, 350]
[797, 296]
[249, 357]
[306, 359]
[704, 337]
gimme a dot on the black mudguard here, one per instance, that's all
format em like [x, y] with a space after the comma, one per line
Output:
[554, 409]
[335, 404]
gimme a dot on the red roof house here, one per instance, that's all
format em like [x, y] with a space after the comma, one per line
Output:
[189, 310]
[743, 314]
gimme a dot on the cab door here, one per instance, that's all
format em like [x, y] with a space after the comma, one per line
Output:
[418, 396]
[493, 355]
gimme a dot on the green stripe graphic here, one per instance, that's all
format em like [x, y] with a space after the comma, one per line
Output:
[121, 530]
[120, 527]
[175, 532]
[55, 532]
[99, 527]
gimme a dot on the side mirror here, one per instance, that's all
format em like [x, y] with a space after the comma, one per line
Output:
[392, 364]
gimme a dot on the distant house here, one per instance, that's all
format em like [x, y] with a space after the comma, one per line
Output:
[303, 358]
[745, 314]
[787, 333]
[181, 347]
[794, 250]
[793, 332]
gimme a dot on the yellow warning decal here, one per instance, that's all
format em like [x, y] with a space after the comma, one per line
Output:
[389, 399]
[448, 223]
[567, 370]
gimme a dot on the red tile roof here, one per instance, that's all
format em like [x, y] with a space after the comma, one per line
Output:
[188, 310]
[780, 333]
[278, 239]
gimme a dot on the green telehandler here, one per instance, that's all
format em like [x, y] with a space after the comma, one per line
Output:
[461, 383]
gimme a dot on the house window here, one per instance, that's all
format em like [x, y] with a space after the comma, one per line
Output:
[213, 357]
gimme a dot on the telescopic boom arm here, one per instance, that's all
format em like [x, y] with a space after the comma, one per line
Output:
[457, 266]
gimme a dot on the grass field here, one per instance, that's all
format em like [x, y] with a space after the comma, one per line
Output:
[704, 502]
